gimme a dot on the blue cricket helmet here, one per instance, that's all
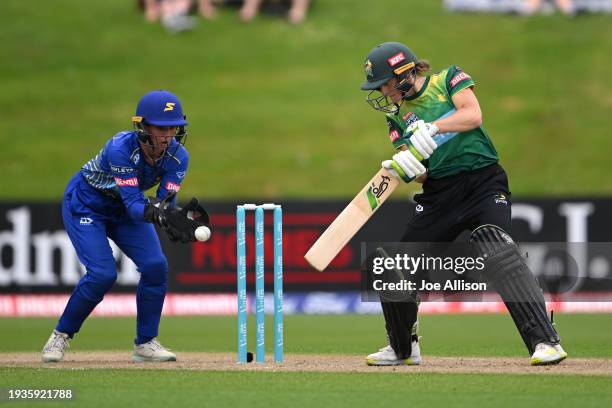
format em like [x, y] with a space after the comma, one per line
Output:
[160, 108]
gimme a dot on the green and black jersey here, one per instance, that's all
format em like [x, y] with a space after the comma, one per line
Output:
[469, 150]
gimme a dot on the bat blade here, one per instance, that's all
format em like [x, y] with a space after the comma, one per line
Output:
[351, 219]
[358, 212]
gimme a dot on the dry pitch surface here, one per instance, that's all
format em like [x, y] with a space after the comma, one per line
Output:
[312, 363]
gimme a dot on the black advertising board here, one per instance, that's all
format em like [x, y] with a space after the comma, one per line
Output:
[37, 255]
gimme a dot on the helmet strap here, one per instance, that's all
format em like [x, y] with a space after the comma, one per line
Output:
[181, 135]
[139, 126]
[144, 137]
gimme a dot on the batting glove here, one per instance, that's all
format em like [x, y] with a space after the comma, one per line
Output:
[405, 166]
[421, 138]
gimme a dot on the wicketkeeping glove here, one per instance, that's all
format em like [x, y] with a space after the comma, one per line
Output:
[155, 210]
[178, 223]
[194, 211]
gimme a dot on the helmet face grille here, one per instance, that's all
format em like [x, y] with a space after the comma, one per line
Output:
[146, 139]
[381, 102]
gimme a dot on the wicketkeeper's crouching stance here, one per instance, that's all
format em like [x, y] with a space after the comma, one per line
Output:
[105, 200]
[464, 188]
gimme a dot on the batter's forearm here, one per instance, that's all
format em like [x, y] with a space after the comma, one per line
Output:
[462, 120]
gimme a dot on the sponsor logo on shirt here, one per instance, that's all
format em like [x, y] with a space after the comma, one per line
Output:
[394, 135]
[396, 59]
[458, 78]
[410, 118]
[86, 221]
[122, 170]
[172, 186]
[180, 174]
[131, 182]
[136, 158]
[419, 208]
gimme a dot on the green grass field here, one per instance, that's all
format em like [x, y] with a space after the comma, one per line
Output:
[257, 389]
[275, 111]
[472, 335]
[280, 105]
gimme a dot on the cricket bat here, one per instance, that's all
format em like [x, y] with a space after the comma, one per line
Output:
[358, 212]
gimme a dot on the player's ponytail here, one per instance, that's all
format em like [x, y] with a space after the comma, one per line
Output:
[422, 67]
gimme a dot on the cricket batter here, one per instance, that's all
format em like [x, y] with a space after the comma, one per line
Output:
[105, 200]
[464, 188]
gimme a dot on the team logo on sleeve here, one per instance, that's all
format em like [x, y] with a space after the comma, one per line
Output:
[131, 182]
[394, 135]
[461, 76]
[180, 174]
[396, 59]
[172, 186]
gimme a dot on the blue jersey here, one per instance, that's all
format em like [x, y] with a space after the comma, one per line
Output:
[120, 174]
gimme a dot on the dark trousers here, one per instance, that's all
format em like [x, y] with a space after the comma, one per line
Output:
[450, 205]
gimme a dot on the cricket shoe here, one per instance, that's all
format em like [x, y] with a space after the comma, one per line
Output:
[53, 351]
[546, 354]
[387, 357]
[152, 351]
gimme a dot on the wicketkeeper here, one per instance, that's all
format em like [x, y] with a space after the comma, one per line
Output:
[464, 188]
[105, 200]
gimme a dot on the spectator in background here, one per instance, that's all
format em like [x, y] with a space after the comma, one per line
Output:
[295, 9]
[567, 7]
[206, 8]
[174, 14]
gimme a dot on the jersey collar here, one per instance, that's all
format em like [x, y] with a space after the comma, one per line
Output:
[421, 91]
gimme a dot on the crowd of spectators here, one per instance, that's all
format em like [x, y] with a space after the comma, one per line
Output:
[181, 15]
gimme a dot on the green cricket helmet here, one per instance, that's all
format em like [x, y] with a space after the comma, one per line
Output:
[388, 60]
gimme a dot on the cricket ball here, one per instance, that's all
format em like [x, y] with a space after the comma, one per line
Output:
[202, 233]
